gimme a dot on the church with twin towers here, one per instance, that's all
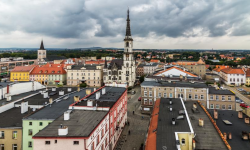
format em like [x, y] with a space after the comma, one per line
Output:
[121, 72]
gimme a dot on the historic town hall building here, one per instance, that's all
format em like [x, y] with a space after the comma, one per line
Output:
[121, 72]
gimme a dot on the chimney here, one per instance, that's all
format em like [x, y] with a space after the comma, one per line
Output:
[45, 95]
[67, 115]
[181, 77]
[170, 108]
[8, 97]
[94, 89]
[173, 121]
[230, 136]
[24, 107]
[61, 92]
[69, 89]
[90, 103]
[54, 89]
[98, 95]
[225, 135]
[76, 98]
[201, 122]
[50, 100]
[88, 91]
[170, 102]
[215, 114]
[103, 91]
[63, 130]
[247, 120]
[194, 105]
[240, 115]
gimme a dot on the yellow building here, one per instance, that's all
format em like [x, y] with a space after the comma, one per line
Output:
[21, 73]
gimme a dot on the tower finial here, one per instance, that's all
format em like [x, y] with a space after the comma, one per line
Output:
[128, 32]
[42, 46]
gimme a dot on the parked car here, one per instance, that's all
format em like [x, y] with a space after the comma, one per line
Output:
[244, 105]
[239, 101]
[139, 99]
[133, 92]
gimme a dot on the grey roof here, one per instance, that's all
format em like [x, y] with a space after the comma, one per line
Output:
[108, 99]
[165, 135]
[12, 118]
[80, 124]
[151, 64]
[57, 108]
[3, 84]
[212, 90]
[206, 137]
[173, 84]
[238, 125]
[117, 62]
[88, 67]
[141, 66]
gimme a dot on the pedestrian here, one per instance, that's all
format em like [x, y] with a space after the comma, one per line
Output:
[133, 112]
[128, 132]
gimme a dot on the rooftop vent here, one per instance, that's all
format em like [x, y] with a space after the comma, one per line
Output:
[63, 130]
[181, 112]
[89, 103]
[194, 106]
[8, 97]
[24, 107]
[67, 114]
[170, 108]
[170, 102]
[69, 89]
[173, 121]
[61, 92]
[247, 120]
[215, 114]
[88, 91]
[103, 91]
[201, 122]
[97, 95]
[53, 89]
[50, 100]
[180, 117]
[240, 115]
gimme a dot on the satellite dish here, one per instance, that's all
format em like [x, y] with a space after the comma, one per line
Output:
[34, 109]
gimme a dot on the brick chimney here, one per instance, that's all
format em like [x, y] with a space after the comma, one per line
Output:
[240, 114]
[215, 114]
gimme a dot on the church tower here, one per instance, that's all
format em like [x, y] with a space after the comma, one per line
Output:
[41, 54]
[128, 68]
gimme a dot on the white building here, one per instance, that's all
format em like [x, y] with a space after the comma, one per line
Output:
[122, 71]
[233, 76]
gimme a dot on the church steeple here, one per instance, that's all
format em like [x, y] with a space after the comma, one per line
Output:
[128, 31]
[41, 46]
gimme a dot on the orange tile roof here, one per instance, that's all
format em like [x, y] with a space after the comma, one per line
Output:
[155, 60]
[248, 73]
[23, 68]
[174, 67]
[219, 68]
[233, 71]
[151, 138]
[49, 69]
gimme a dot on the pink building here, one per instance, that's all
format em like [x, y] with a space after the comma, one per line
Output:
[93, 123]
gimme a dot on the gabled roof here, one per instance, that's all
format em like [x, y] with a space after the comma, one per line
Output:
[173, 68]
[233, 71]
[23, 68]
[48, 69]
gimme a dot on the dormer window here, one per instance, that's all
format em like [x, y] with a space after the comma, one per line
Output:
[40, 71]
[53, 71]
[58, 71]
[46, 71]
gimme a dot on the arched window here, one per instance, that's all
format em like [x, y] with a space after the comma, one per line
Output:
[127, 44]
[183, 141]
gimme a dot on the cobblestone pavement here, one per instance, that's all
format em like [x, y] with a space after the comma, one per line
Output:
[137, 126]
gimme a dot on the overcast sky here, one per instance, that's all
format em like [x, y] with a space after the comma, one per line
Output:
[166, 24]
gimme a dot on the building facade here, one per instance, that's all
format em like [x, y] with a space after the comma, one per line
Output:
[150, 68]
[233, 76]
[21, 73]
[89, 74]
[122, 71]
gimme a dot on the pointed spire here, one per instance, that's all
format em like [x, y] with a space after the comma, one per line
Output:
[105, 65]
[41, 46]
[128, 31]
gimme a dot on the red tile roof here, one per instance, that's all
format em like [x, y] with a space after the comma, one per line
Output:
[49, 69]
[248, 73]
[219, 68]
[233, 71]
[23, 68]
[155, 60]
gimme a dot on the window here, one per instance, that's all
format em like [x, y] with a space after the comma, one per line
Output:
[40, 123]
[223, 107]
[195, 96]
[217, 106]
[150, 101]
[229, 107]
[97, 139]
[223, 98]
[183, 141]
[1, 146]
[30, 123]
[165, 95]
[14, 146]
[30, 144]
[47, 142]
[170, 95]
[76, 142]
[55, 141]
[211, 106]
[217, 97]
[2, 135]
[30, 132]
[159, 95]
[229, 98]
[211, 97]
[180, 95]
[150, 93]
[145, 93]
[145, 101]
[202, 96]
[14, 135]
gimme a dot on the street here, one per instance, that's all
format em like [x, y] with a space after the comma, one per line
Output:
[137, 126]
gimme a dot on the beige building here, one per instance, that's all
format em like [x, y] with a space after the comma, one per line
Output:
[152, 90]
[89, 74]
